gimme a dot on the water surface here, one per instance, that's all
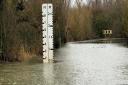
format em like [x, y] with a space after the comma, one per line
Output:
[76, 64]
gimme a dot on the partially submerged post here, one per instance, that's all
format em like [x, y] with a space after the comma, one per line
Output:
[47, 27]
[107, 33]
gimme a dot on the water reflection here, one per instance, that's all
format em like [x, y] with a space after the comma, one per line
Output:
[76, 64]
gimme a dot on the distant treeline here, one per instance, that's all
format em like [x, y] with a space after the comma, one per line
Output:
[21, 24]
[87, 21]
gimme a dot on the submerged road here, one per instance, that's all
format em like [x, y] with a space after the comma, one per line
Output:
[76, 64]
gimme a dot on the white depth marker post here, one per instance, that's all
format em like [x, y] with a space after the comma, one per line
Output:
[47, 27]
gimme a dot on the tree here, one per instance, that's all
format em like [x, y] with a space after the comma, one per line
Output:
[125, 18]
[21, 27]
[79, 23]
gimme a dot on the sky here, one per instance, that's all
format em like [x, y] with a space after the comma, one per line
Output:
[73, 2]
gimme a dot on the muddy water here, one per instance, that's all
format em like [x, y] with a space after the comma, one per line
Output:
[76, 64]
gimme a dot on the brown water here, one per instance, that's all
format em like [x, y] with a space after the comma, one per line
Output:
[76, 64]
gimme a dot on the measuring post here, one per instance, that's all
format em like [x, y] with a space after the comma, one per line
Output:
[107, 33]
[47, 27]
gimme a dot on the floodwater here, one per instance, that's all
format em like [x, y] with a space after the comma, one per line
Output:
[76, 64]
